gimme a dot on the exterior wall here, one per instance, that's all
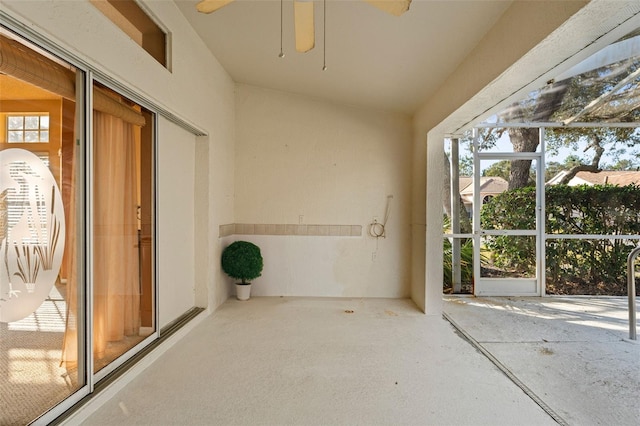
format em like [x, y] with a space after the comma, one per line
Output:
[176, 226]
[197, 89]
[300, 160]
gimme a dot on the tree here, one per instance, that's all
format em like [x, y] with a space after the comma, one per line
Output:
[539, 108]
[552, 168]
[465, 224]
[501, 169]
[571, 160]
[596, 140]
[623, 164]
[465, 166]
[607, 93]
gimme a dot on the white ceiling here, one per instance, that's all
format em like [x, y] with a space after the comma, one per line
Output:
[373, 59]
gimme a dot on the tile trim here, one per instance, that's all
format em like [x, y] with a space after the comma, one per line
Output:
[290, 229]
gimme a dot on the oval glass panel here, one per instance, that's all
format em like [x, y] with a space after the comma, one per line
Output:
[32, 233]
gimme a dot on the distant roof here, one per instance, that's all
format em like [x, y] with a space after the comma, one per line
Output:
[488, 185]
[464, 182]
[611, 177]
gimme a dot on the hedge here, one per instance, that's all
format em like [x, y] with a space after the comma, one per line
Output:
[594, 266]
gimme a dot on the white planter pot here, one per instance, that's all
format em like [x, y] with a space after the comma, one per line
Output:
[243, 291]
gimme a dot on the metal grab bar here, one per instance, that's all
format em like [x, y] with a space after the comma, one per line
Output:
[631, 288]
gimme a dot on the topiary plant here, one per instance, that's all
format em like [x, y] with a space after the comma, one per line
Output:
[242, 260]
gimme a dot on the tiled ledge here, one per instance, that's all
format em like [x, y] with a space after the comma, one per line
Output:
[289, 229]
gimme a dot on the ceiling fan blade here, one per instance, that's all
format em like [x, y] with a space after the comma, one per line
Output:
[304, 25]
[394, 7]
[209, 6]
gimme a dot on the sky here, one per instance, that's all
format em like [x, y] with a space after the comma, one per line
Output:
[504, 145]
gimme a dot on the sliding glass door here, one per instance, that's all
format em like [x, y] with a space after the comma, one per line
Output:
[42, 327]
[77, 292]
[123, 314]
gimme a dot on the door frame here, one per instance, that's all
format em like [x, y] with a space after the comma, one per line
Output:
[509, 286]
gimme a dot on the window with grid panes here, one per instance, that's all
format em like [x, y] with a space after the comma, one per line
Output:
[28, 128]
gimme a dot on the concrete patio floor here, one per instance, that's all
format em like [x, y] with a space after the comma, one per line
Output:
[304, 361]
[571, 352]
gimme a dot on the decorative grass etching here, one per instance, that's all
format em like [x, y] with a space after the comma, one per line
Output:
[28, 265]
[32, 233]
[46, 252]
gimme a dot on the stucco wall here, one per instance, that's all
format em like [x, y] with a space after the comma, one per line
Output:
[197, 89]
[176, 226]
[301, 160]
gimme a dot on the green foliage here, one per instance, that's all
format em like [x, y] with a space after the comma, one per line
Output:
[466, 165]
[466, 263]
[572, 160]
[601, 209]
[598, 209]
[466, 260]
[511, 210]
[501, 169]
[595, 266]
[621, 146]
[551, 169]
[487, 137]
[622, 164]
[242, 260]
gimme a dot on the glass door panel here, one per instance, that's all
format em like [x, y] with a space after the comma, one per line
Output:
[122, 227]
[41, 322]
[508, 256]
[501, 208]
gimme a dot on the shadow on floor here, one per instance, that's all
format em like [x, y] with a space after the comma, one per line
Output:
[572, 353]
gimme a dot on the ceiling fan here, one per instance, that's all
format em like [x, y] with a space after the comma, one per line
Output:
[303, 16]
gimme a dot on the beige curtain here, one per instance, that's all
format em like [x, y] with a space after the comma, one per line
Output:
[116, 300]
[116, 261]
[70, 342]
